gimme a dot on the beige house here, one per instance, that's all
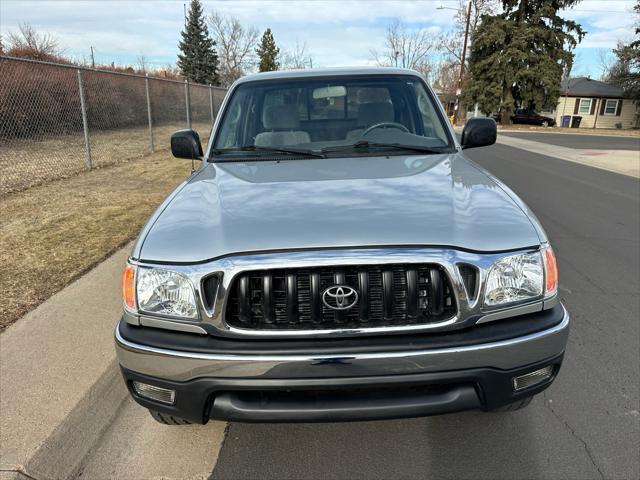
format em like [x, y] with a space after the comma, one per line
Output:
[596, 104]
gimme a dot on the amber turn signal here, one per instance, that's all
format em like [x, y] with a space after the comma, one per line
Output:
[128, 286]
[551, 271]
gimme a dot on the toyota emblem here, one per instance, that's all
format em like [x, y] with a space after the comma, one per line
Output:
[340, 297]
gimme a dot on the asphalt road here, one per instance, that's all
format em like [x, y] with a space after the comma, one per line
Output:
[595, 142]
[587, 424]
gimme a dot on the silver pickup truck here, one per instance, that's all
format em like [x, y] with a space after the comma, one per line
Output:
[337, 257]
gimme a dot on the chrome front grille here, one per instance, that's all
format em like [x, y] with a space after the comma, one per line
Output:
[387, 296]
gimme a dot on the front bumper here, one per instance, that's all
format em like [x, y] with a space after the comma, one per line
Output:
[361, 379]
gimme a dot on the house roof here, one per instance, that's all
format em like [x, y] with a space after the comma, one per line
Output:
[587, 87]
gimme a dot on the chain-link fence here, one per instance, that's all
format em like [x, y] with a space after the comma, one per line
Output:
[57, 120]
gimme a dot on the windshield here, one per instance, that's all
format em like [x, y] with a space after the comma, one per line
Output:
[391, 113]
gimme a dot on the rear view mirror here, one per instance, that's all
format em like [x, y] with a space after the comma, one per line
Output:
[479, 132]
[186, 144]
[329, 92]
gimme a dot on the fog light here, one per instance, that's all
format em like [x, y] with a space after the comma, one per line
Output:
[152, 392]
[533, 378]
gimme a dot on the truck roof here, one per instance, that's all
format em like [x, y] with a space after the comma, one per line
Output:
[327, 72]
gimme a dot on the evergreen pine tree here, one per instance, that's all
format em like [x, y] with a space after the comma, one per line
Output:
[521, 54]
[197, 60]
[268, 52]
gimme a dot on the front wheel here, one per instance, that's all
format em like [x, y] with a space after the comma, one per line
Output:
[545, 124]
[512, 407]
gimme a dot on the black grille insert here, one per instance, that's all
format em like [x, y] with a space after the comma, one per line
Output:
[470, 279]
[292, 299]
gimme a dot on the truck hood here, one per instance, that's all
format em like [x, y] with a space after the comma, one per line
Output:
[427, 200]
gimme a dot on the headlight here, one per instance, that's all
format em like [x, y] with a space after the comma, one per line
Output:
[514, 279]
[165, 292]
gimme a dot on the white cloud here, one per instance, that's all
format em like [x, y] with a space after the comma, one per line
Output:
[327, 12]
[606, 22]
[337, 32]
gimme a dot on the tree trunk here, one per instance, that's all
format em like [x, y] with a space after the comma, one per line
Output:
[506, 108]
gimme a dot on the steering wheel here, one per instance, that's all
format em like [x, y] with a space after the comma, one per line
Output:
[399, 126]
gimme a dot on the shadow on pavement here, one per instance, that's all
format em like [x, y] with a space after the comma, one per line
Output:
[467, 445]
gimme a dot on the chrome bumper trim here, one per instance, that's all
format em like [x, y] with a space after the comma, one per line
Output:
[523, 310]
[182, 366]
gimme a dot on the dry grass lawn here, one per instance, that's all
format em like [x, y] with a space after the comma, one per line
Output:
[51, 234]
[25, 163]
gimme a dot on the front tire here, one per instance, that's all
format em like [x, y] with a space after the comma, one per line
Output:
[167, 419]
[512, 407]
[545, 124]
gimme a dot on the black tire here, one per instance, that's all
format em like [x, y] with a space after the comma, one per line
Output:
[167, 419]
[512, 407]
[545, 124]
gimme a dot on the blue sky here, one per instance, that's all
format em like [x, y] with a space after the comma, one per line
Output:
[336, 32]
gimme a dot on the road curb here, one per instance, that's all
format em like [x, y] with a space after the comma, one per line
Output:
[63, 452]
[59, 377]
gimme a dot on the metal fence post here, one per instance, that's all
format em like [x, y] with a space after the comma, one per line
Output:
[85, 123]
[146, 87]
[187, 102]
[213, 118]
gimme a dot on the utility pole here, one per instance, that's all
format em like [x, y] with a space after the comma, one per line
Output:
[566, 75]
[464, 54]
[93, 60]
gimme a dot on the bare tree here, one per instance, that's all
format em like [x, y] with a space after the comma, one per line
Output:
[605, 62]
[235, 45]
[450, 42]
[141, 61]
[445, 76]
[26, 42]
[298, 58]
[406, 48]
[478, 9]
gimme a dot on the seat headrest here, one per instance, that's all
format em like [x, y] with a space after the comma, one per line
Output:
[280, 117]
[375, 112]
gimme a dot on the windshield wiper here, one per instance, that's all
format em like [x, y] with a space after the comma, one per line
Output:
[256, 148]
[367, 144]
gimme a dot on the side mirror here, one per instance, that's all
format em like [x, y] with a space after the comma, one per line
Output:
[479, 132]
[186, 144]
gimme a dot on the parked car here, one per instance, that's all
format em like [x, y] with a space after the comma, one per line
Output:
[528, 117]
[337, 257]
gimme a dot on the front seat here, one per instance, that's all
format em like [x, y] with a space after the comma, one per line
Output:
[282, 125]
[371, 114]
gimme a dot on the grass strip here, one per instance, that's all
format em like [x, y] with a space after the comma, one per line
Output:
[53, 233]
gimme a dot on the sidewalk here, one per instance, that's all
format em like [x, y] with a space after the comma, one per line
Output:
[63, 398]
[604, 132]
[625, 162]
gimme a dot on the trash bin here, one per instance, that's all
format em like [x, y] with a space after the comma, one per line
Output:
[566, 120]
[575, 121]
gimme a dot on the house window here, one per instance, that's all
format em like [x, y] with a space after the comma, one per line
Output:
[585, 105]
[611, 107]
